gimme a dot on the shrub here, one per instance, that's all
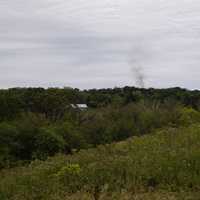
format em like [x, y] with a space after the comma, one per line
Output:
[189, 116]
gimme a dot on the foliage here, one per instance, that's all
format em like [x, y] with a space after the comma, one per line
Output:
[54, 102]
[189, 116]
[26, 139]
[33, 135]
[161, 154]
[166, 160]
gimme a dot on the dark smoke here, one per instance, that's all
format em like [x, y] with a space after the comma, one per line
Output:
[139, 77]
[136, 61]
[138, 73]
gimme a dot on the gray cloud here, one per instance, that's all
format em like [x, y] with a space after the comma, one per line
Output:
[86, 44]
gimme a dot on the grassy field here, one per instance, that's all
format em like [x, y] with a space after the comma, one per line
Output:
[143, 196]
[160, 166]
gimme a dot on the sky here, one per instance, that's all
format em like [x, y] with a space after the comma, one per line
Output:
[100, 43]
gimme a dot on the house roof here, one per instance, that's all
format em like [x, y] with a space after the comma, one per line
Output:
[80, 106]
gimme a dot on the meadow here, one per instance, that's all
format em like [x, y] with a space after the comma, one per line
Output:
[162, 165]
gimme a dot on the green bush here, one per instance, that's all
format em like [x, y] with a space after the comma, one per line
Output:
[8, 144]
[27, 139]
[189, 116]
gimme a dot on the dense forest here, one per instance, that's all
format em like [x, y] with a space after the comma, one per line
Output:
[128, 143]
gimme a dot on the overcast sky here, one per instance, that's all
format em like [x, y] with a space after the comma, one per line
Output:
[99, 43]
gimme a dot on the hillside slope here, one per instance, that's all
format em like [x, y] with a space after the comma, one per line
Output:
[161, 165]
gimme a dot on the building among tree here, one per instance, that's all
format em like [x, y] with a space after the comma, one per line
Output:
[81, 107]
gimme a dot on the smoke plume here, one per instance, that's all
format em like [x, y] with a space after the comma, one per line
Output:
[139, 77]
[137, 69]
[138, 56]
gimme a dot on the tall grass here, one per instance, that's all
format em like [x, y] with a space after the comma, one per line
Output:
[167, 160]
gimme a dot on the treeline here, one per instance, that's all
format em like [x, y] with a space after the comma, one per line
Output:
[36, 123]
[54, 102]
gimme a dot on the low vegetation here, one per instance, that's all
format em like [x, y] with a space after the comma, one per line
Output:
[129, 144]
[162, 165]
